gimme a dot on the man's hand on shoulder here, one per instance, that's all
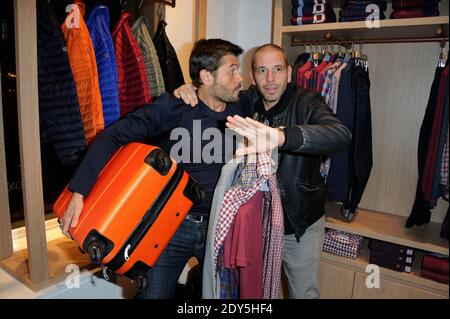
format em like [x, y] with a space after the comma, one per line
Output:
[187, 93]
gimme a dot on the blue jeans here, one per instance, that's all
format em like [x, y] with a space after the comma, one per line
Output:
[188, 241]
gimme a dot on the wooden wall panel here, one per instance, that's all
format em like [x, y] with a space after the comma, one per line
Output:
[6, 247]
[335, 282]
[200, 19]
[389, 290]
[29, 137]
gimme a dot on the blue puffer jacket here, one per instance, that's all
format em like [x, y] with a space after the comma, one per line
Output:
[98, 25]
[59, 111]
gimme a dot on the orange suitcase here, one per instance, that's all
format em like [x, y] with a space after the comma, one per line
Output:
[138, 202]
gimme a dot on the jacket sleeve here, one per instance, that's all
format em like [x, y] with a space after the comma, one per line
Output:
[323, 134]
[160, 116]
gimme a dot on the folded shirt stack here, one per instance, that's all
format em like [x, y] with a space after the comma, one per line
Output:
[357, 10]
[435, 267]
[342, 243]
[392, 256]
[414, 8]
[312, 12]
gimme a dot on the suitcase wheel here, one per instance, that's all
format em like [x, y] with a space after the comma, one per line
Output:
[95, 251]
[160, 161]
[194, 192]
[198, 193]
[141, 282]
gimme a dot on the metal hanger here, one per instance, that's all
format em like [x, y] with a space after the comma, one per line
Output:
[123, 4]
[442, 61]
[360, 58]
[317, 56]
[348, 51]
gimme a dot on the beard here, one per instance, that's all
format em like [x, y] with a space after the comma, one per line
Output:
[270, 98]
[225, 95]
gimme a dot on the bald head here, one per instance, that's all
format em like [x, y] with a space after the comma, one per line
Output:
[271, 73]
[267, 48]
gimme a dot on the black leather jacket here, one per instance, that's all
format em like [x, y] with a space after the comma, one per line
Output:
[312, 132]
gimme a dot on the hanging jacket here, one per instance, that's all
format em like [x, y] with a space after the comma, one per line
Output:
[133, 85]
[84, 69]
[420, 212]
[59, 111]
[151, 61]
[170, 66]
[98, 25]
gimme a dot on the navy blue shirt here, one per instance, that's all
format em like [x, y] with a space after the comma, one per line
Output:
[154, 124]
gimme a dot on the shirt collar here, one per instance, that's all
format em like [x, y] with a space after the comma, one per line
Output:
[277, 108]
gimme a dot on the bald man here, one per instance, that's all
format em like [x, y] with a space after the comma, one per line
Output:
[309, 131]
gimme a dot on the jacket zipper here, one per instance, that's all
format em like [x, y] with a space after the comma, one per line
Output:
[146, 222]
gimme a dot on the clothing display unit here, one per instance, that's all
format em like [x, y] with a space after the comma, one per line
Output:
[41, 261]
[403, 55]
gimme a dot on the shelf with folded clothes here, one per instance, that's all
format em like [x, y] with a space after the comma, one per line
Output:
[388, 227]
[413, 278]
[395, 29]
[307, 12]
[314, 26]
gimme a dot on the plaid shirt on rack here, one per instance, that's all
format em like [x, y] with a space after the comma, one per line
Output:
[326, 93]
[234, 198]
[229, 285]
[327, 83]
[253, 176]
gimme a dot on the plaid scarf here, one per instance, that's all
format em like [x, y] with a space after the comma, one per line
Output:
[273, 226]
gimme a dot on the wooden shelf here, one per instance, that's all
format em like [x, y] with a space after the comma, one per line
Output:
[390, 29]
[359, 264]
[61, 252]
[388, 227]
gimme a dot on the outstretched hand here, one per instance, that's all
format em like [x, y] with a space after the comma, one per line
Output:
[261, 138]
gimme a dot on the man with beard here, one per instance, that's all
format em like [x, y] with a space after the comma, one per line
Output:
[215, 71]
[305, 130]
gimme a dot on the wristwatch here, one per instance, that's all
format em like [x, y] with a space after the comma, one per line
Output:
[283, 129]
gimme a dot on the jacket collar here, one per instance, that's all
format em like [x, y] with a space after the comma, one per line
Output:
[277, 109]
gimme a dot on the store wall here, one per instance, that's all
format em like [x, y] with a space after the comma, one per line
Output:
[244, 22]
[180, 30]
[247, 23]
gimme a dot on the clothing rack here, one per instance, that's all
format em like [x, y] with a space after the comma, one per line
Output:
[328, 37]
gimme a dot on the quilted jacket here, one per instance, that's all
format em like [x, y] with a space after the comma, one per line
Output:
[98, 26]
[133, 86]
[151, 61]
[84, 69]
[59, 111]
[170, 66]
